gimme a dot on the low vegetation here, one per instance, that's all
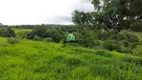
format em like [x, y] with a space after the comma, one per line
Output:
[38, 60]
[107, 46]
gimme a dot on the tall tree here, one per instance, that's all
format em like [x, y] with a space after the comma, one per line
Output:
[119, 13]
[81, 18]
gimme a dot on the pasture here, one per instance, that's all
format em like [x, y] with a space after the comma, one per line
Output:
[39, 60]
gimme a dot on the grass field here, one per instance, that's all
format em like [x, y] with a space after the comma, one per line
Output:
[37, 60]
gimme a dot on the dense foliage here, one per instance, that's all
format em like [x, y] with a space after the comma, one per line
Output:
[119, 14]
[99, 38]
[7, 32]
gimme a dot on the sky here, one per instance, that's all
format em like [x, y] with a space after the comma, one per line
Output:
[25, 12]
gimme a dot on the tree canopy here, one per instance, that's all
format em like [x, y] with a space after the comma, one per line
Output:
[112, 13]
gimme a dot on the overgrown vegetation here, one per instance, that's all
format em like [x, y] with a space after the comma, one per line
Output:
[105, 39]
[112, 34]
[6, 32]
[12, 40]
[124, 41]
[37, 60]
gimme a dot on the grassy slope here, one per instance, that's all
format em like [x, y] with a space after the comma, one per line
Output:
[35, 60]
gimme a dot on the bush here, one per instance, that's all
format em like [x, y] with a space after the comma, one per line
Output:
[37, 38]
[87, 43]
[39, 31]
[48, 39]
[129, 39]
[137, 51]
[7, 32]
[22, 34]
[12, 40]
[128, 36]
[110, 45]
[56, 35]
[3, 44]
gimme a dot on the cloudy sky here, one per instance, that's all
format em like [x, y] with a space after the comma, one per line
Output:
[17, 12]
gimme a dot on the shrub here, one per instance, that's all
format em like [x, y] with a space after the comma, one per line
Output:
[137, 51]
[128, 40]
[110, 45]
[87, 43]
[39, 31]
[48, 39]
[12, 40]
[7, 32]
[37, 38]
[56, 35]
[22, 34]
[128, 36]
[3, 44]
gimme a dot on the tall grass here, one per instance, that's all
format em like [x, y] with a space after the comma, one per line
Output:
[36, 60]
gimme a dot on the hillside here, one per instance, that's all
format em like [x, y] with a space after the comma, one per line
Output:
[36, 60]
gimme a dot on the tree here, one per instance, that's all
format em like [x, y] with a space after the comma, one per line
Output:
[38, 31]
[10, 32]
[119, 13]
[82, 19]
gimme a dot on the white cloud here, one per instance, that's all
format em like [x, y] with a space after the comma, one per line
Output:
[13, 12]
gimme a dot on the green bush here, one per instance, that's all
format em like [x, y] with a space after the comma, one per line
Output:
[22, 34]
[39, 31]
[128, 36]
[13, 40]
[6, 32]
[137, 51]
[37, 38]
[56, 35]
[48, 39]
[87, 43]
[110, 45]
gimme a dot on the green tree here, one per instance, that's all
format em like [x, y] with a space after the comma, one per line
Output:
[38, 31]
[10, 32]
[119, 13]
[82, 19]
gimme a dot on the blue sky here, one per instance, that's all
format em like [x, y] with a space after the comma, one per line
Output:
[19, 12]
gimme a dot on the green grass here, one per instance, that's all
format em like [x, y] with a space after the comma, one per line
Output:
[21, 33]
[21, 30]
[37, 60]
